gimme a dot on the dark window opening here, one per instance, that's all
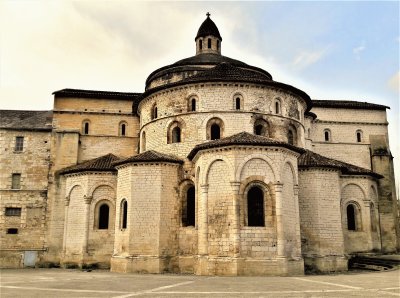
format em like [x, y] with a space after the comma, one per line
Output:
[12, 231]
[217, 44]
[176, 135]
[143, 141]
[104, 214]
[200, 44]
[237, 103]
[16, 181]
[277, 108]
[124, 215]
[258, 130]
[359, 137]
[209, 43]
[255, 207]
[326, 134]
[189, 211]
[215, 132]
[86, 128]
[155, 113]
[12, 211]
[290, 137]
[193, 104]
[123, 129]
[351, 218]
[19, 144]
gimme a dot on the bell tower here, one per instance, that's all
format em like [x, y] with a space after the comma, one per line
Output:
[208, 40]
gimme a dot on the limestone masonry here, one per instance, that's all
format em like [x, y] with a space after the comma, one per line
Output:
[216, 169]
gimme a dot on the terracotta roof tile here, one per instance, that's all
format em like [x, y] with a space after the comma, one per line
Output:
[311, 159]
[149, 156]
[243, 138]
[96, 94]
[26, 120]
[102, 164]
[347, 104]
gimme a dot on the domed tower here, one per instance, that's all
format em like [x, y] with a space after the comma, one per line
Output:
[208, 40]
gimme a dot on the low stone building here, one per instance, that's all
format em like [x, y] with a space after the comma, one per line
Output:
[216, 169]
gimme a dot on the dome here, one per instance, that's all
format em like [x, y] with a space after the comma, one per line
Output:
[208, 28]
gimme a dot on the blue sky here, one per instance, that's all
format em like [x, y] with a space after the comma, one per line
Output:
[331, 50]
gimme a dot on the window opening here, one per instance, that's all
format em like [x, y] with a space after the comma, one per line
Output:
[16, 181]
[123, 129]
[193, 103]
[217, 44]
[19, 144]
[326, 134]
[209, 43]
[124, 215]
[258, 129]
[277, 109]
[255, 207]
[290, 137]
[12, 211]
[200, 44]
[358, 137]
[176, 135]
[143, 141]
[104, 214]
[215, 132]
[372, 215]
[86, 128]
[189, 212]
[237, 103]
[12, 231]
[351, 218]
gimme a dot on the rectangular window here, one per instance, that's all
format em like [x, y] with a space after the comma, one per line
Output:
[19, 144]
[11, 211]
[16, 181]
[12, 231]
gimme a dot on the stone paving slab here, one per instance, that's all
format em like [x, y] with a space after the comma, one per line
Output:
[99, 283]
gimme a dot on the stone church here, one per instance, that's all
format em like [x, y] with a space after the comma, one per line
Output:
[215, 169]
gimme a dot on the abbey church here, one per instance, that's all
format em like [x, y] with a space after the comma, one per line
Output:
[215, 169]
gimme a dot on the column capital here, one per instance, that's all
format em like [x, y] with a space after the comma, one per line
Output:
[235, 185]
[278, 186]
[204, 188]
[88, 199]
[66, 201]
[296, 189]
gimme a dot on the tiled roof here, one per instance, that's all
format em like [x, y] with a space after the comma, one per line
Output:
[100, 164]
[149, 156]
[347, 104]
[207, 28]
[243, 138]
[26, 120]
[96, 94]
[311, 159]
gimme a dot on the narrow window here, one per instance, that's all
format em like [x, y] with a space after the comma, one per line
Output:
[19, 144]
[155, 112]
[372, 215]
[143, 141]
[237, 103]
[104, 214]
[290, 137]
[12, 211]
[122, 129]
[215, 132]
[189, 208]
[209, 43]
[358, 136]
[277, 108]
[193, 104]
[124, 221]
[200, 44]
[327, 135]
[86, 128]
[12, 231]
[218, 45]
[255, 207]
[176, 135]
[16, 181]
[258, 130]
[351, 218]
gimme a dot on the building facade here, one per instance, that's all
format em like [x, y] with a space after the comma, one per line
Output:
[216, 169]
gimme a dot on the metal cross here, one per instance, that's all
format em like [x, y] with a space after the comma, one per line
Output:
[208, 14]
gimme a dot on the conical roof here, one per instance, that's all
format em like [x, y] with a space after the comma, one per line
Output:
[208, 28]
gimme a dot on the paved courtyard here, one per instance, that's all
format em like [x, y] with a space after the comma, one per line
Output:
[76, 283]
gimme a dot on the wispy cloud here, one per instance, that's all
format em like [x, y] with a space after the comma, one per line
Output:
[358, 50]
[307, 58]
[394, 82]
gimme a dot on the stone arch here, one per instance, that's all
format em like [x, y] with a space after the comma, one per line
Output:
[97, 216]
[353, 186]
[86, 126]
[100, 184]
[219, 158]
[207, 121]
[257, 166]
[123, 128]
[238, 99]
[292, 168]
[188, 204]
[265, 158]
[358, 226]
[189, 100]
[175, 122]
[69, 191]
[373, 194]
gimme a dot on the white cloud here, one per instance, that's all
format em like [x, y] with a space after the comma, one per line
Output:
[307, 58]
[358, 50]
[394, 82]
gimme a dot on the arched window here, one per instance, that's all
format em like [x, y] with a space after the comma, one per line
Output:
[143, 141]
[359, 136]
[154, 112]
[277, 106]
[261, 128]
[200, 44]
[104, 215]
[122, 129]
[176, 135]
[85, 127]
[372, 217]
[215, 132]
[189, 208]
[193, 104]
[209, 43]
[255, 207]
[237, 103]
[327, 135]
[290, 137]
[351, 217]
[124, 214]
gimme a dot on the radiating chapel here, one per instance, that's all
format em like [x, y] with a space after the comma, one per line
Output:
[215, 169]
